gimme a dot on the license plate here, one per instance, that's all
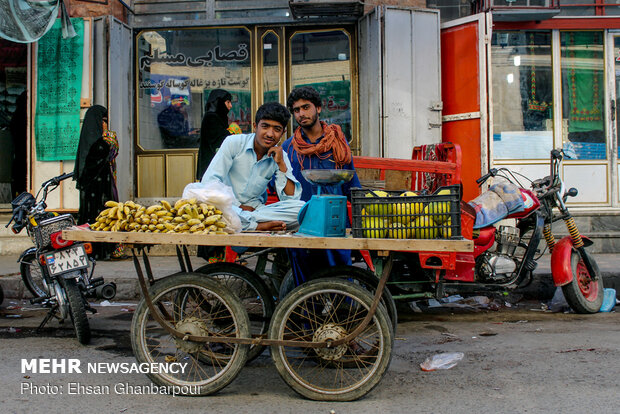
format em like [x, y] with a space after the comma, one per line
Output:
[66, 260]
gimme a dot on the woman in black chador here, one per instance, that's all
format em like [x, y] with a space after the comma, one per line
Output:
[214, 128]
[95, 173]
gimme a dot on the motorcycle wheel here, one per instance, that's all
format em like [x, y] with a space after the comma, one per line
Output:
[77, 311]
[583, 294]
[32, 276]
[251, 291]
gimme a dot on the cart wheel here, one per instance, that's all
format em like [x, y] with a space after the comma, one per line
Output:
[253, 293]
[329, 309]
[287, 285]
[208, 309]
[368, 280]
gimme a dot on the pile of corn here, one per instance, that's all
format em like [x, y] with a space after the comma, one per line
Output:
[186, 216]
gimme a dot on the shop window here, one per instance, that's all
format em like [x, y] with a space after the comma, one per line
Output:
[522, 94]
[612, 10]
[521, 3]
[450, 9]
[583, 91]
[271, 73]
[323, 60]
[177, 69]
[577, 7]
[617, 82]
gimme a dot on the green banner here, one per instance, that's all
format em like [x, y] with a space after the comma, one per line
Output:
[59, 88]
[585, 80]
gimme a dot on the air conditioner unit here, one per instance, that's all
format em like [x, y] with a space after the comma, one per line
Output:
[325, 8]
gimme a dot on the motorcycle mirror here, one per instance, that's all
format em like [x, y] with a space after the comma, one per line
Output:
[10, 221]
[572, 192]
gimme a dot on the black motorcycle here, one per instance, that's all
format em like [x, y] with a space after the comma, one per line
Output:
[58, 273]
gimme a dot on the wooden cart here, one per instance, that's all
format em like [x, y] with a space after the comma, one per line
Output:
[331, 339]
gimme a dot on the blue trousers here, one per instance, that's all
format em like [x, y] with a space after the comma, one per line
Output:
[305, 262]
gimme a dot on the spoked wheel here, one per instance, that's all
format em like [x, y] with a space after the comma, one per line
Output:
[367, 280]
[287, 285]
[77, 310]
[323, 310]
[32, 276]
[209, 309]
[583, 294]
[251, 291]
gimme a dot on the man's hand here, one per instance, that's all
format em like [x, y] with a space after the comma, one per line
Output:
[246, 208]
[278, 156]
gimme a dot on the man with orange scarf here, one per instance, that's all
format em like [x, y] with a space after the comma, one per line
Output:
[316, 145]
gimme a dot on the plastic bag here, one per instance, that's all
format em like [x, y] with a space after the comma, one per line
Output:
[609, 300]
[220, 195]
[441, 361]
[558, 302]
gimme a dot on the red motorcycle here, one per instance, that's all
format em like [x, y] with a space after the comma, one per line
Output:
[504, 257]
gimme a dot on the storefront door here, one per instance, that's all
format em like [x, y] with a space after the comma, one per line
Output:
[614, 110]
[549, 90]
[178, 68]
[464, 94]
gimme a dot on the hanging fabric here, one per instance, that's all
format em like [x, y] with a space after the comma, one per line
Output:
[26, 21]
[59, 88]
[585, 81]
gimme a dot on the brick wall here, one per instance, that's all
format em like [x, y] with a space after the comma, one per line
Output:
[94, 8]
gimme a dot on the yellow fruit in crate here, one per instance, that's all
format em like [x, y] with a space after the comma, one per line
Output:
[446, 229]
[424, 228]
[378, 209]
[403, 212]
[399, 231]
[376, 227]
[436, 209]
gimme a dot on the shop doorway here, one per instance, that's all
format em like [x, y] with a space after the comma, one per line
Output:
[13, 122]
[614, 110]
[320, 58]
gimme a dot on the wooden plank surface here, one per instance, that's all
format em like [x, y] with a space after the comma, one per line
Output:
[264, 239]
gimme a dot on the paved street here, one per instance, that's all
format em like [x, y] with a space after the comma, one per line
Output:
[518, 359]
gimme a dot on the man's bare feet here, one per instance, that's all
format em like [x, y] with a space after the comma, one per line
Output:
[271, 226]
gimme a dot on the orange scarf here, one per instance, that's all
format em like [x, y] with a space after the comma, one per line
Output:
[333, 139]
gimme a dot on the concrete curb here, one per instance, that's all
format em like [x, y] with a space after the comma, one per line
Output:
[123, 274]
